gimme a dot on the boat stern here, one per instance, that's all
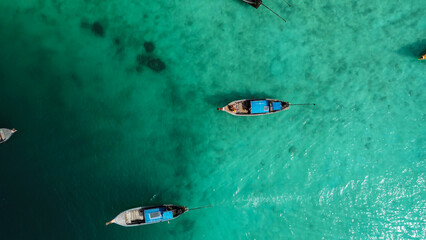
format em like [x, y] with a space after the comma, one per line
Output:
[254, 3]
[184, 209]
[285, 105]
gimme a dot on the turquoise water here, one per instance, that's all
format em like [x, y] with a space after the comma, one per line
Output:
[100, 133]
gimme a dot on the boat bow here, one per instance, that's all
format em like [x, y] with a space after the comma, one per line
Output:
[5, 134]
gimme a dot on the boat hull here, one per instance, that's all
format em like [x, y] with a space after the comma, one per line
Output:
[254, 3]
[148, 215]
[245, 107]
[5, 134]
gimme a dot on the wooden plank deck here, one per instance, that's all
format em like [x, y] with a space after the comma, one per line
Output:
[133, 215]
[240, 108]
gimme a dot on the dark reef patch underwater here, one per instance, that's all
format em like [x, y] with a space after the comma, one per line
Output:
[148, 60]
[149, 47]
[96, 27]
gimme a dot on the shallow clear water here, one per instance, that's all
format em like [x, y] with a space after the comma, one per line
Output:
[99, 134]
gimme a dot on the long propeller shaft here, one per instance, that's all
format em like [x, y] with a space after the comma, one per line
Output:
[287, 3]
[274, 13]
[306, 104]
[200, 208]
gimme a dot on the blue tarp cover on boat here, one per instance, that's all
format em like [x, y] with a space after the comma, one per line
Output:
[157, 215]
[259, 106]
[276, 106]
[167, 215]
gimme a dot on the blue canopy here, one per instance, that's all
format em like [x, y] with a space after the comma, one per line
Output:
[276, 106]
[260, 106]
[168, 215]
[157, 215]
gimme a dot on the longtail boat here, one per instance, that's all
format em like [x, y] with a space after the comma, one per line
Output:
[5, 134]
[257, 3]
[256, 107]
[148, 215]
[423, 57]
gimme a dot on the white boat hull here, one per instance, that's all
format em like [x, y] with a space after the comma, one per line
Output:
[5, 134]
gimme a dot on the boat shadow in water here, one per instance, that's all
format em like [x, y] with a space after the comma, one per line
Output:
[415, 49]
[221, 99]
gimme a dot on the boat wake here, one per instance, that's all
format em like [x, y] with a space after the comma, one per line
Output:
[256, 200]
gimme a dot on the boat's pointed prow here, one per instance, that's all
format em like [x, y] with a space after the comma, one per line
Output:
[108, 223]
[423, 57]
[220, 109]
[5, 134]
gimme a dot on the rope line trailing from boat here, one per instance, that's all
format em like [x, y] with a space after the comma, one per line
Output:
[291, 104]
[274, 12]
[287, 3]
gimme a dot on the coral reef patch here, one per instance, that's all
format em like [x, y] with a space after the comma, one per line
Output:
[149, 60]
[153, 63]
[149, 47]
[98, 29]
[156, 64]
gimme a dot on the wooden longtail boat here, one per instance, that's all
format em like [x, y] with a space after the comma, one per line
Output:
[423, 57]
[255, 107]
[5, 134]
[148, 215]
[257, 3]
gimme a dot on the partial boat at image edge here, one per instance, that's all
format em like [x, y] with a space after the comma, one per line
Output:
[5, 134]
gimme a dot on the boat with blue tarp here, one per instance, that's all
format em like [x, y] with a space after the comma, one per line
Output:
[5, 134]
[148, 215]
[255, 107]
[257, 3]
